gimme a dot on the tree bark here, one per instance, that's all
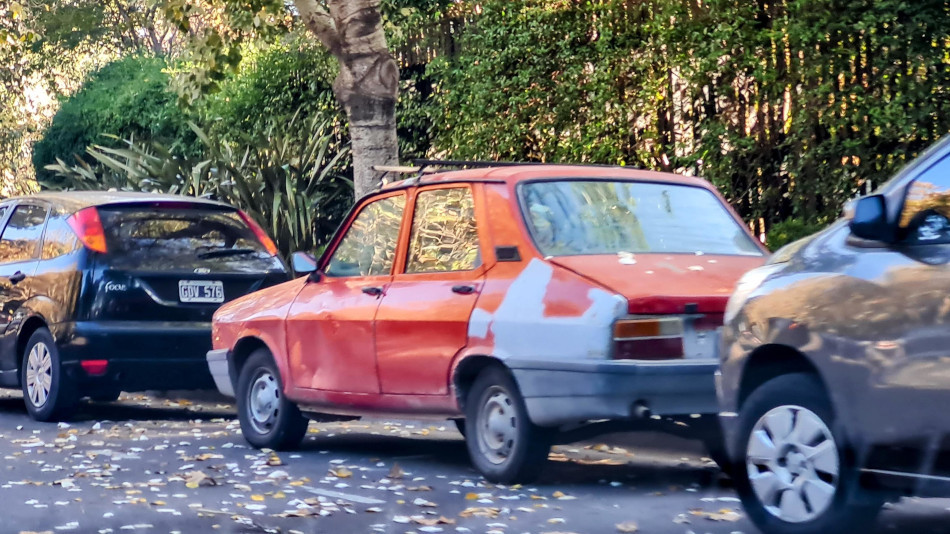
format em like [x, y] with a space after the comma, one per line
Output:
[368, 81]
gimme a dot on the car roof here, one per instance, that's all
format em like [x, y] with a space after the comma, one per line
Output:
[77, 200]
[513, 174]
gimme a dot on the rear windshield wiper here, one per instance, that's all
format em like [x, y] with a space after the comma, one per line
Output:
[226, 252]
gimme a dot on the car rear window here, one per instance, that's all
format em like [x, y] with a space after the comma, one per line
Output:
[609, 217]
[181, 239]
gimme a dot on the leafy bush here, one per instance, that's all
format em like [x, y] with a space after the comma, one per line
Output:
[791, 229]
[128, 98]
[790, 108]
[295, 190]
[275, 83]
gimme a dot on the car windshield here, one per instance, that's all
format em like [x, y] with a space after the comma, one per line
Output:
[572, 217]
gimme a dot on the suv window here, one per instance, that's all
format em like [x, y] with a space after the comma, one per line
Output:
[369, 246]
[181, 238]
[926, 212]
[59, 238]
[444, 235]
[21, 237]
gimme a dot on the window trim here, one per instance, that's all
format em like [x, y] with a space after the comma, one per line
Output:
[411, 222]
[526, 225]
[37, 249]
[327, 256]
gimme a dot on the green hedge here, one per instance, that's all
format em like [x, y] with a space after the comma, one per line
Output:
[128, 98]
[790, 108]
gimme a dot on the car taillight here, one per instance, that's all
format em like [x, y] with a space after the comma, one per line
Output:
[260, 233]
[653, 338]
[95, 367]
[88, 228]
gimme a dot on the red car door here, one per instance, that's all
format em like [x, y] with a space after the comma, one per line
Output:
[423, 319]
[330, 334]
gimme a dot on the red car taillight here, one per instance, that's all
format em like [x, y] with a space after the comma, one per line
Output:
[653, 338]
[88, 228]
[260, 233]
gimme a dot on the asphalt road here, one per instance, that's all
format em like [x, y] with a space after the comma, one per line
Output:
[155, 465]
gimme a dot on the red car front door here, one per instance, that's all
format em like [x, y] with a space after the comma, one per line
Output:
[422, 322]
[330, 334]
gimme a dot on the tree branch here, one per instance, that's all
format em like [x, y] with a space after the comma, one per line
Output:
[319, 21]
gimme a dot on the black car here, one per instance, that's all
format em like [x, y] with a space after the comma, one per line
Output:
[103, 292]
[835, 362]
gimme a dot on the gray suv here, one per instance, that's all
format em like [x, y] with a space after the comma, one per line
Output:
[835, 362]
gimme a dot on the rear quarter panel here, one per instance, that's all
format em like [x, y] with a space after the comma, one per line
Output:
[258, 315]
[531, 309]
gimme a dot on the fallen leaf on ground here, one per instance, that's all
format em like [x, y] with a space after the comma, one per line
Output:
[490, 513]
[341, 472]
[627, 526]
[194, 479]
[396, 472]
[724, 514]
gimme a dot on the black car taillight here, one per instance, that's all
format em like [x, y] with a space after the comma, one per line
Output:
[88, 228]
[649, 338]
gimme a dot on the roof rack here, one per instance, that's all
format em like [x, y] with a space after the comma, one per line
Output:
[468, 163]
[418, 170]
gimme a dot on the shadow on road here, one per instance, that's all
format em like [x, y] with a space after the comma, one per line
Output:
[451, 455]
[123, 411]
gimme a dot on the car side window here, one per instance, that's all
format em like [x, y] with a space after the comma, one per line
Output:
[369, 246]
[21, 237]
[59, 238]
[444, 236]
[925, 217]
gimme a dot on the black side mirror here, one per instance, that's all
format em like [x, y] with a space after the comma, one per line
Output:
[305, 263]
[870, 220]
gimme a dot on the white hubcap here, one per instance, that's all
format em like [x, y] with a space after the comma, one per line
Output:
[39, 374]
[497, 426]
[263, 402]
[793, 465]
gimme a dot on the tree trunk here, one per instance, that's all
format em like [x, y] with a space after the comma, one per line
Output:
[368, 81]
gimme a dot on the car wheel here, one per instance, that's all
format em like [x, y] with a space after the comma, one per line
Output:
[795, 474]
[503, 443]
[48, 393]
[268, 418]
[460, 425]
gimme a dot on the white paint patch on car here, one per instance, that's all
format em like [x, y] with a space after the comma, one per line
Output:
[521, 330]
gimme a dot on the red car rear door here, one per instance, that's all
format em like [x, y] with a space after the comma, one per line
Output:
[330, 334]
[422, 322]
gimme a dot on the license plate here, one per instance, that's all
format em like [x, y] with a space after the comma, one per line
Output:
[201, 291]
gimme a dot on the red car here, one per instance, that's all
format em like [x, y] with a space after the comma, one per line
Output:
[523, 300]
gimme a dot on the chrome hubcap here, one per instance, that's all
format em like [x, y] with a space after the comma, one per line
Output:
[793, 464]
[263, 402]
[39, 374]
[497, 426]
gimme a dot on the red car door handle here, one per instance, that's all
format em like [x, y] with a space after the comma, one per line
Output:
[372, 290]
[463, 290]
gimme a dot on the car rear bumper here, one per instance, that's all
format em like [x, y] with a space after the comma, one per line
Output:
[558, 393]
[220, 368]
[141, 355]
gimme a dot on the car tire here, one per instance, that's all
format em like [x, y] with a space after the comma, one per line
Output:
[503, 443]
[268, 419]
[794, 472]
[460, 425]
[48, 393]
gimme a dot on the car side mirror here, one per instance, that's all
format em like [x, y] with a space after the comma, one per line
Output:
[870, 220]
[305, 263]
